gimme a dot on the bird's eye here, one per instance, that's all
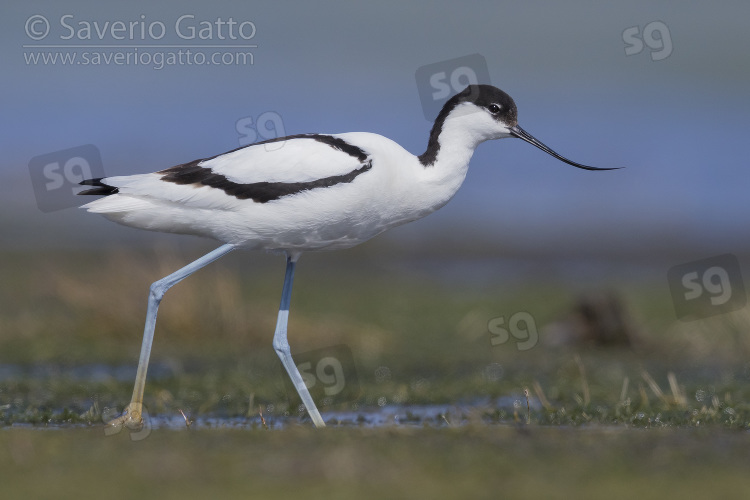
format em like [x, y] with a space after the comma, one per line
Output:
[494, 108]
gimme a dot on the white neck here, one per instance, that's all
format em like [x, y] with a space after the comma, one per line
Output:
[455, 143]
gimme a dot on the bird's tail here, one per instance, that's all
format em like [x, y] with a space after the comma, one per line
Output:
[100, 188]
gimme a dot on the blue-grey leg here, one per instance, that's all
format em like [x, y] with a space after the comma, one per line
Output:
[281, 344]
[131, 417]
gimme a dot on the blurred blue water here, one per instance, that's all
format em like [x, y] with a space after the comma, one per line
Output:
[677, 124]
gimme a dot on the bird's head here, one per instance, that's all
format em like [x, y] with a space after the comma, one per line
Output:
[489, 113]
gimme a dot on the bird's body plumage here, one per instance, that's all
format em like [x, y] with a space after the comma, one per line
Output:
[374, 187]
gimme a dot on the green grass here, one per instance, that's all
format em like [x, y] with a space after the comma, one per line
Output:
[668, 415]
[214, 333]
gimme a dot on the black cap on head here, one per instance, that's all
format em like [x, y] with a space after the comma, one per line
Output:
[485, 96]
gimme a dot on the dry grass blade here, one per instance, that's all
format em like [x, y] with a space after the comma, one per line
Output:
[679, 397]
[624, 391]
[188, 423]
[262, 420]
[584, 381]
[644, 397]
[528, 407]
[654, 387]
[540, 395]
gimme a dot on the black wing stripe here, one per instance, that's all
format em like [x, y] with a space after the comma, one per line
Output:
[261, 192]
[191, 173]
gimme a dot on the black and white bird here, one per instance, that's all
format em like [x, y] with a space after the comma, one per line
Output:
[307, 192]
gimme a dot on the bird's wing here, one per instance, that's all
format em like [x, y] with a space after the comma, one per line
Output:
[261, 172]
[296, 158]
